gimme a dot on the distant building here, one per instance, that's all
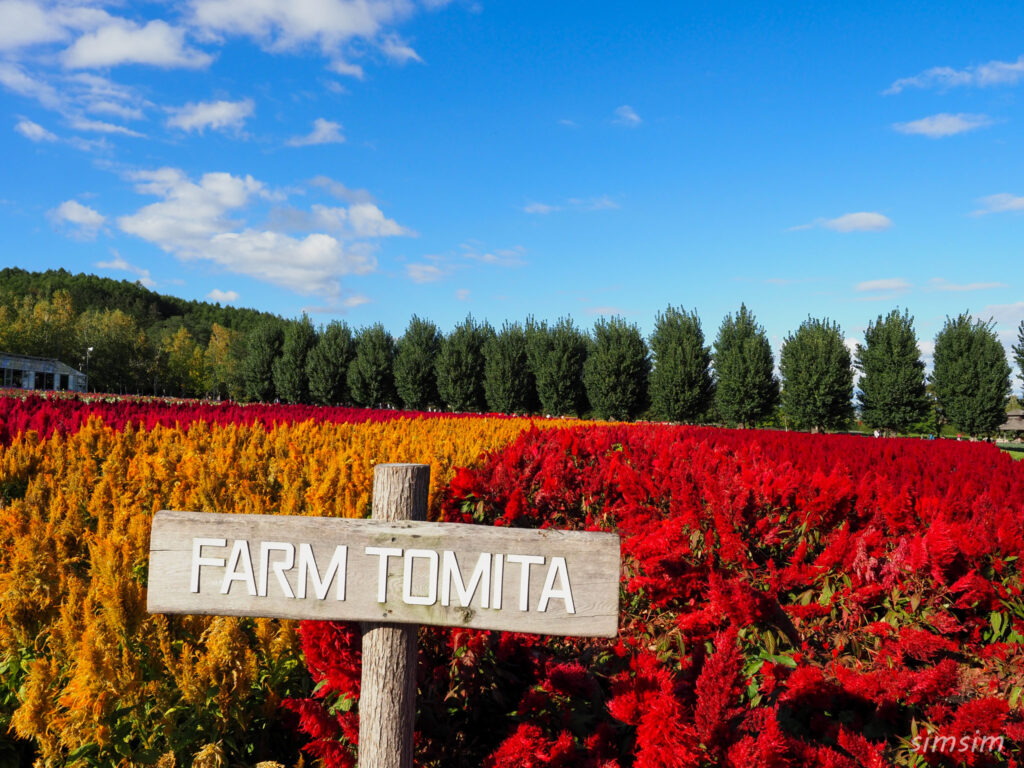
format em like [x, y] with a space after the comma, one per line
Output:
[40, 373]
[1014, 422]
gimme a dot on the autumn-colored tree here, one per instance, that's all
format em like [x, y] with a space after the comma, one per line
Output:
[182, 369]
[223, 361]
[41, 327]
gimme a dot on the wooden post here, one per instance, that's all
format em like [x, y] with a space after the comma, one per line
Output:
[387, 699]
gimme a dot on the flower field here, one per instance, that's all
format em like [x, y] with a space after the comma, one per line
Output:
[86, 675]
[787, 599]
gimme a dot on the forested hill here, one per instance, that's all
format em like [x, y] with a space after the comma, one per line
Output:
[156, 313]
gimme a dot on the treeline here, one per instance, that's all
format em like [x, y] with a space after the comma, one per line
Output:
[157, 315]
[611, 371]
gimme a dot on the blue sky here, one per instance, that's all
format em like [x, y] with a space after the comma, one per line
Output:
[368, 160]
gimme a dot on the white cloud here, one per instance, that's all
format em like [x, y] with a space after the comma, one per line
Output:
[1004, 314]
[885, 284]
[858, 222]
[193, 221]
[282, 25]
[359, 219]
[502, 257]
[324, 132]
[601, 203]
[189, 213]
[99, 126]
[367, 220]
[1001, 203]
[982, 76]
[342, 192]
[34, 131]
[940, 284]
[223, 297]
[124, 42]
[342, 67]
[927, 349]
[568, 123]
[24, 23]
[15, 79]
[849, 222]
[462, 294]
[540, 208]
[355, 300]
[116, 109]
[424, 273]
[605, 311]
[311, 265]
[217, 115]
[86, 91]
[85, 220]
[89, 145]
[626, 115]
[396, 50]
[943, 124]
[118, 264]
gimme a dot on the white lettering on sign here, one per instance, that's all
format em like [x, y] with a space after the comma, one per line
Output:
[436, 576]
[410, 557]
[413, 572]
[266, 547]
[239, 556]
[198, 560]
[560, 571]
[382, 572]
[336, 569]
[451, 576]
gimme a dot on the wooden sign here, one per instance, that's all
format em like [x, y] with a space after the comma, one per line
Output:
[447, 574]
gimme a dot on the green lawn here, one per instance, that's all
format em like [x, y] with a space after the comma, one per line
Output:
[1014, 449]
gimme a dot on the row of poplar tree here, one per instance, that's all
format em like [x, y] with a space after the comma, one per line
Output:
[613, 372]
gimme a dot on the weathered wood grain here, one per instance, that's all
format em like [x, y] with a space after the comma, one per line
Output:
[591, 563]
[387, 690]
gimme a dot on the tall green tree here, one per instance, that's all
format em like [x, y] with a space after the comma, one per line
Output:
[120, 359]
[415, 364]
[290, 379]
[617, 370]
[557, 355]
[682, 387]
[327, 364]
[817, 376]
[1018, 352]
[371, 377]
[263, 347]
[892, 392]
[747, 388]
[971, 375]
[508, 383]
[460, 366]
